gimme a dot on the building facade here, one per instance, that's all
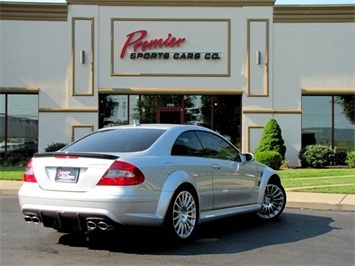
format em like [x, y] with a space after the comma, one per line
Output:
[231, 65]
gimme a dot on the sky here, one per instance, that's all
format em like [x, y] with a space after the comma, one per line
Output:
[278, 2]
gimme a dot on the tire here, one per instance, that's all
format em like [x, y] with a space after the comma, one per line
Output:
[274, 202]
[181, 219]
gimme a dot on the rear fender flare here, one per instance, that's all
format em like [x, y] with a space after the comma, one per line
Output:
[172, 183]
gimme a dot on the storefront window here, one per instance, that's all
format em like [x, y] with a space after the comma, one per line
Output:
[226, 117]
[133, 109]
[113, 110]
[146, 110]
[19, 127]
[328, 120]
[193, 110]
[344, 123]
[220, 113]
[2, 119]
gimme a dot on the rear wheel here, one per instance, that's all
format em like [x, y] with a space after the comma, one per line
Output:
[182, 215]
[274, 202]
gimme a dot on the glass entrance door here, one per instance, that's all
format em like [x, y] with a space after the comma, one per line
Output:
[170, 109]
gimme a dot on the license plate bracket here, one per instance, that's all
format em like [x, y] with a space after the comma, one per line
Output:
[67, 175]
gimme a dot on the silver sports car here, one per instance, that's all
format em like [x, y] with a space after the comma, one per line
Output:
[174, 176]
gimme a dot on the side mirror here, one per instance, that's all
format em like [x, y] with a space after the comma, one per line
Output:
[249, 157]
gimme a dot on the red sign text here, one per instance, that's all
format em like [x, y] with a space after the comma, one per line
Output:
[137, 40]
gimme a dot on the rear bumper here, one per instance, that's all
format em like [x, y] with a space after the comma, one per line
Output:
[58, 209]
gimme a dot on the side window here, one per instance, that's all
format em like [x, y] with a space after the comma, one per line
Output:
[187, 144]
[216, 147]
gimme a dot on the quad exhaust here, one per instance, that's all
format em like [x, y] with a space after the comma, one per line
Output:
[91, 223]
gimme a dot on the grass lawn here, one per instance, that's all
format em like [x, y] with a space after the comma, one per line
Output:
[311, 172]
[11, 172]
[335, 180]
[341, 181]
[332, 190]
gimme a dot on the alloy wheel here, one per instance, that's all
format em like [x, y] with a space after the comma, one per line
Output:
[184, 214]
[274, 202]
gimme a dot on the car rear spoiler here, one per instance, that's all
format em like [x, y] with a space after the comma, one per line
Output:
[79, 154]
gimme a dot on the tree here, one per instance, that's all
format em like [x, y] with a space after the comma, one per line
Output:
[348, 104]
[271, 139]
[106, 107]
[146, 110]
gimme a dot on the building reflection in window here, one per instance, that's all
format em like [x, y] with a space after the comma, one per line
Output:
[19, 127]
[219, 112]
[329, 120]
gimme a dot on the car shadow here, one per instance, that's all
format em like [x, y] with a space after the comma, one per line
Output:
[231, 235]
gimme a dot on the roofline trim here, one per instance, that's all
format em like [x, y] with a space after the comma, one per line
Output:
[314, 13]
[177, 91]
[210, 3]
[33, 11]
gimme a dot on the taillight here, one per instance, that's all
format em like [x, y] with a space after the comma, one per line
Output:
[121, 174]
[29, 176]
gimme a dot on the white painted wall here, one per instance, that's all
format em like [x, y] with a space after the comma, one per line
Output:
[312, 55]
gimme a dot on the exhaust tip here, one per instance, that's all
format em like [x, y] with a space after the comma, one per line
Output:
[91, 225]
[103, 225]
[35, 219]
[28, 219]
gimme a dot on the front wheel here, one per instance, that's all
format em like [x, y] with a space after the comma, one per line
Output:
[182, 215]
[274, 202]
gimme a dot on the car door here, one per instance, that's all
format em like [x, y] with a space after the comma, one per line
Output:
[187, 155]
[235, 181]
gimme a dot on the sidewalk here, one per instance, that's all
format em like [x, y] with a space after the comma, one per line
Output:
[320, 201]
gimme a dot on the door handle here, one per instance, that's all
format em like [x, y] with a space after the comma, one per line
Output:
[216, 167]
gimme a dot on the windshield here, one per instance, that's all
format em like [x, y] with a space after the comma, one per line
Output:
[116, 140]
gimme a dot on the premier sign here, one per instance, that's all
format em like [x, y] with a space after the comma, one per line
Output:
[138, 41]
[170, 47]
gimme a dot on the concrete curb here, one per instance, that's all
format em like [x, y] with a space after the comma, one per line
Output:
[10, 187]
[321, 201]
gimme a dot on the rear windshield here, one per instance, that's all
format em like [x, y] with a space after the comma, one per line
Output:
[116, 140]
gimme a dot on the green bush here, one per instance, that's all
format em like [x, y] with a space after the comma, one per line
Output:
[340, 158]
[15, 161]
[55, 146]
[271, 139]
[272, 159]
[316, 156]
[350, 158]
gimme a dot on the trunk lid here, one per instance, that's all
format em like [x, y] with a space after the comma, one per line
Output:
[74, 172]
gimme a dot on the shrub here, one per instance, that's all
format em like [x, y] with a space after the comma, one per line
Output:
[15, 161]
[272, 159]
[271, 139]
[55, 146]
[316, 156]
[340, 158]
[350, 158]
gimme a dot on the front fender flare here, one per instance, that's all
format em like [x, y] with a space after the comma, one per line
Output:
[268, 174]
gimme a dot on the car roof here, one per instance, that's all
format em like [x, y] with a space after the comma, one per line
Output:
[158, 126]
